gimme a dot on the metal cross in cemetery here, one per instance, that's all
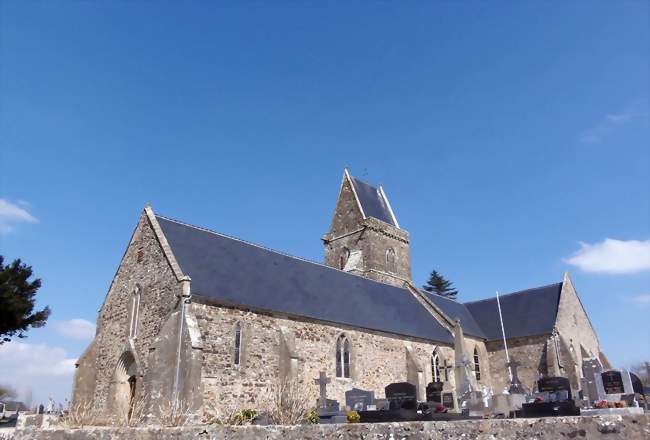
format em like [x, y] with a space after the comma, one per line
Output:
[322, 381]
[446, 367]
[515, 386]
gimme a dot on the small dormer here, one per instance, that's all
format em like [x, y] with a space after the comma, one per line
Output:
[365, 237]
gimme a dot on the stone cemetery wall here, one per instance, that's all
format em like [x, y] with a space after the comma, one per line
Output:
[268, 343]
[143, 264]
[589, 428]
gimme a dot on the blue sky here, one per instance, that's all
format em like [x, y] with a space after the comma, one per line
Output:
[504, 133]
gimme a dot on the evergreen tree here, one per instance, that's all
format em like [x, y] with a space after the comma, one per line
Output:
[440, 286]
[17, 296]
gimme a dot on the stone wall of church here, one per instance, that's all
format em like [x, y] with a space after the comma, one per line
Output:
[376, 359]
[530, 352]
[143, 264]
[575, 329]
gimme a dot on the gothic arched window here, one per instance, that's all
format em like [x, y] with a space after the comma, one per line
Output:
[435, 367]
[390, 260]
[237, 352]
[342, 357]
[345, 255]
[134, 312]
[477, 364]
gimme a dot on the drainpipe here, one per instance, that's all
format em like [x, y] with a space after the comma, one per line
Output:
[185, 299]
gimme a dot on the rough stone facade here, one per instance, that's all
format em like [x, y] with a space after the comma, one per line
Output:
[143, 266]
[376, 359]
[589, 428]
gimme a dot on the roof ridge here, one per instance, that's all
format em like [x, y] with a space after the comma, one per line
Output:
[277, 252]
[439, 296]
[514, 293]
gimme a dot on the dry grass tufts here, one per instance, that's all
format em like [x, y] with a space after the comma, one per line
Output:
[288, 403]
[80, 414]
[174, 413]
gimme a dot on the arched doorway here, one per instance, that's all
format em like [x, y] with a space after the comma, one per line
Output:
[125, 386]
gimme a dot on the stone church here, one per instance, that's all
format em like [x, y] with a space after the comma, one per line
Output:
[203, 319]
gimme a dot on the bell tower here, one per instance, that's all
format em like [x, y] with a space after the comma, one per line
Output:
[364, 237]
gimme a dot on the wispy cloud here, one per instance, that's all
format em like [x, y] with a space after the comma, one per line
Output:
[612, 256]
[642, 300]
[78, 329]
[609, 123]
[11, 214]
[39, 367]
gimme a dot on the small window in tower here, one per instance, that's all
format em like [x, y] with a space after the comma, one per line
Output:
[390, 260]
[477, 364]
[345, 255]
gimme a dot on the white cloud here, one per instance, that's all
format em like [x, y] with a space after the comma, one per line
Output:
[612, 256]
[43, 369]
[643, 299]
[78, 329]
[11, 214]
[611, 122]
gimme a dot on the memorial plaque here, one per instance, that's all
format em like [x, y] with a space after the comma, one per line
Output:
[358, 399]
[448, 400]
[554, 385]
[401, 395]
[434, 392]
[612, 382]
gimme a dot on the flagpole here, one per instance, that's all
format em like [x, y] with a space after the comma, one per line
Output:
[503, 332]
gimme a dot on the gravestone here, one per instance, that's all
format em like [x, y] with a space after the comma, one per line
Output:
[449, 400]
[556, 386]
[515, 385]
[474, 404]
[590, 368]
[434, 392]
[328, 410]
[358, 399]
[613, 384]
[401, 395]
[552, 400]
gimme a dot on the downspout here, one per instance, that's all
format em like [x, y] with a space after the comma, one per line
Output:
[185, 299]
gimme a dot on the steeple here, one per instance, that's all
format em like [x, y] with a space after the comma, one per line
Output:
[365, 237]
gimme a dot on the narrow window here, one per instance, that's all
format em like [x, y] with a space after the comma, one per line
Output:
[477, 365]
[237, 357]
[345, 255]
[134, 312]
[435, 367]
[390, 260]
[342, 357]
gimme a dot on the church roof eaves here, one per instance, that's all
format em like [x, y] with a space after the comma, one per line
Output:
[240, 273]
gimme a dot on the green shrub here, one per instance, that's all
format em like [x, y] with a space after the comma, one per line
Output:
[244, 417]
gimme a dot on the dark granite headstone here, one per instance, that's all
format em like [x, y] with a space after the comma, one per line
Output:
[401, 395]
[434, 392]
[612, 382]
[358, 399]
[448, 400]
[637, 385]
[554, 385]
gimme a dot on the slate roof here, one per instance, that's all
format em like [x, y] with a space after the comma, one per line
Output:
[238, 273]
[526, 313]
[373, 202]
[455, 310]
